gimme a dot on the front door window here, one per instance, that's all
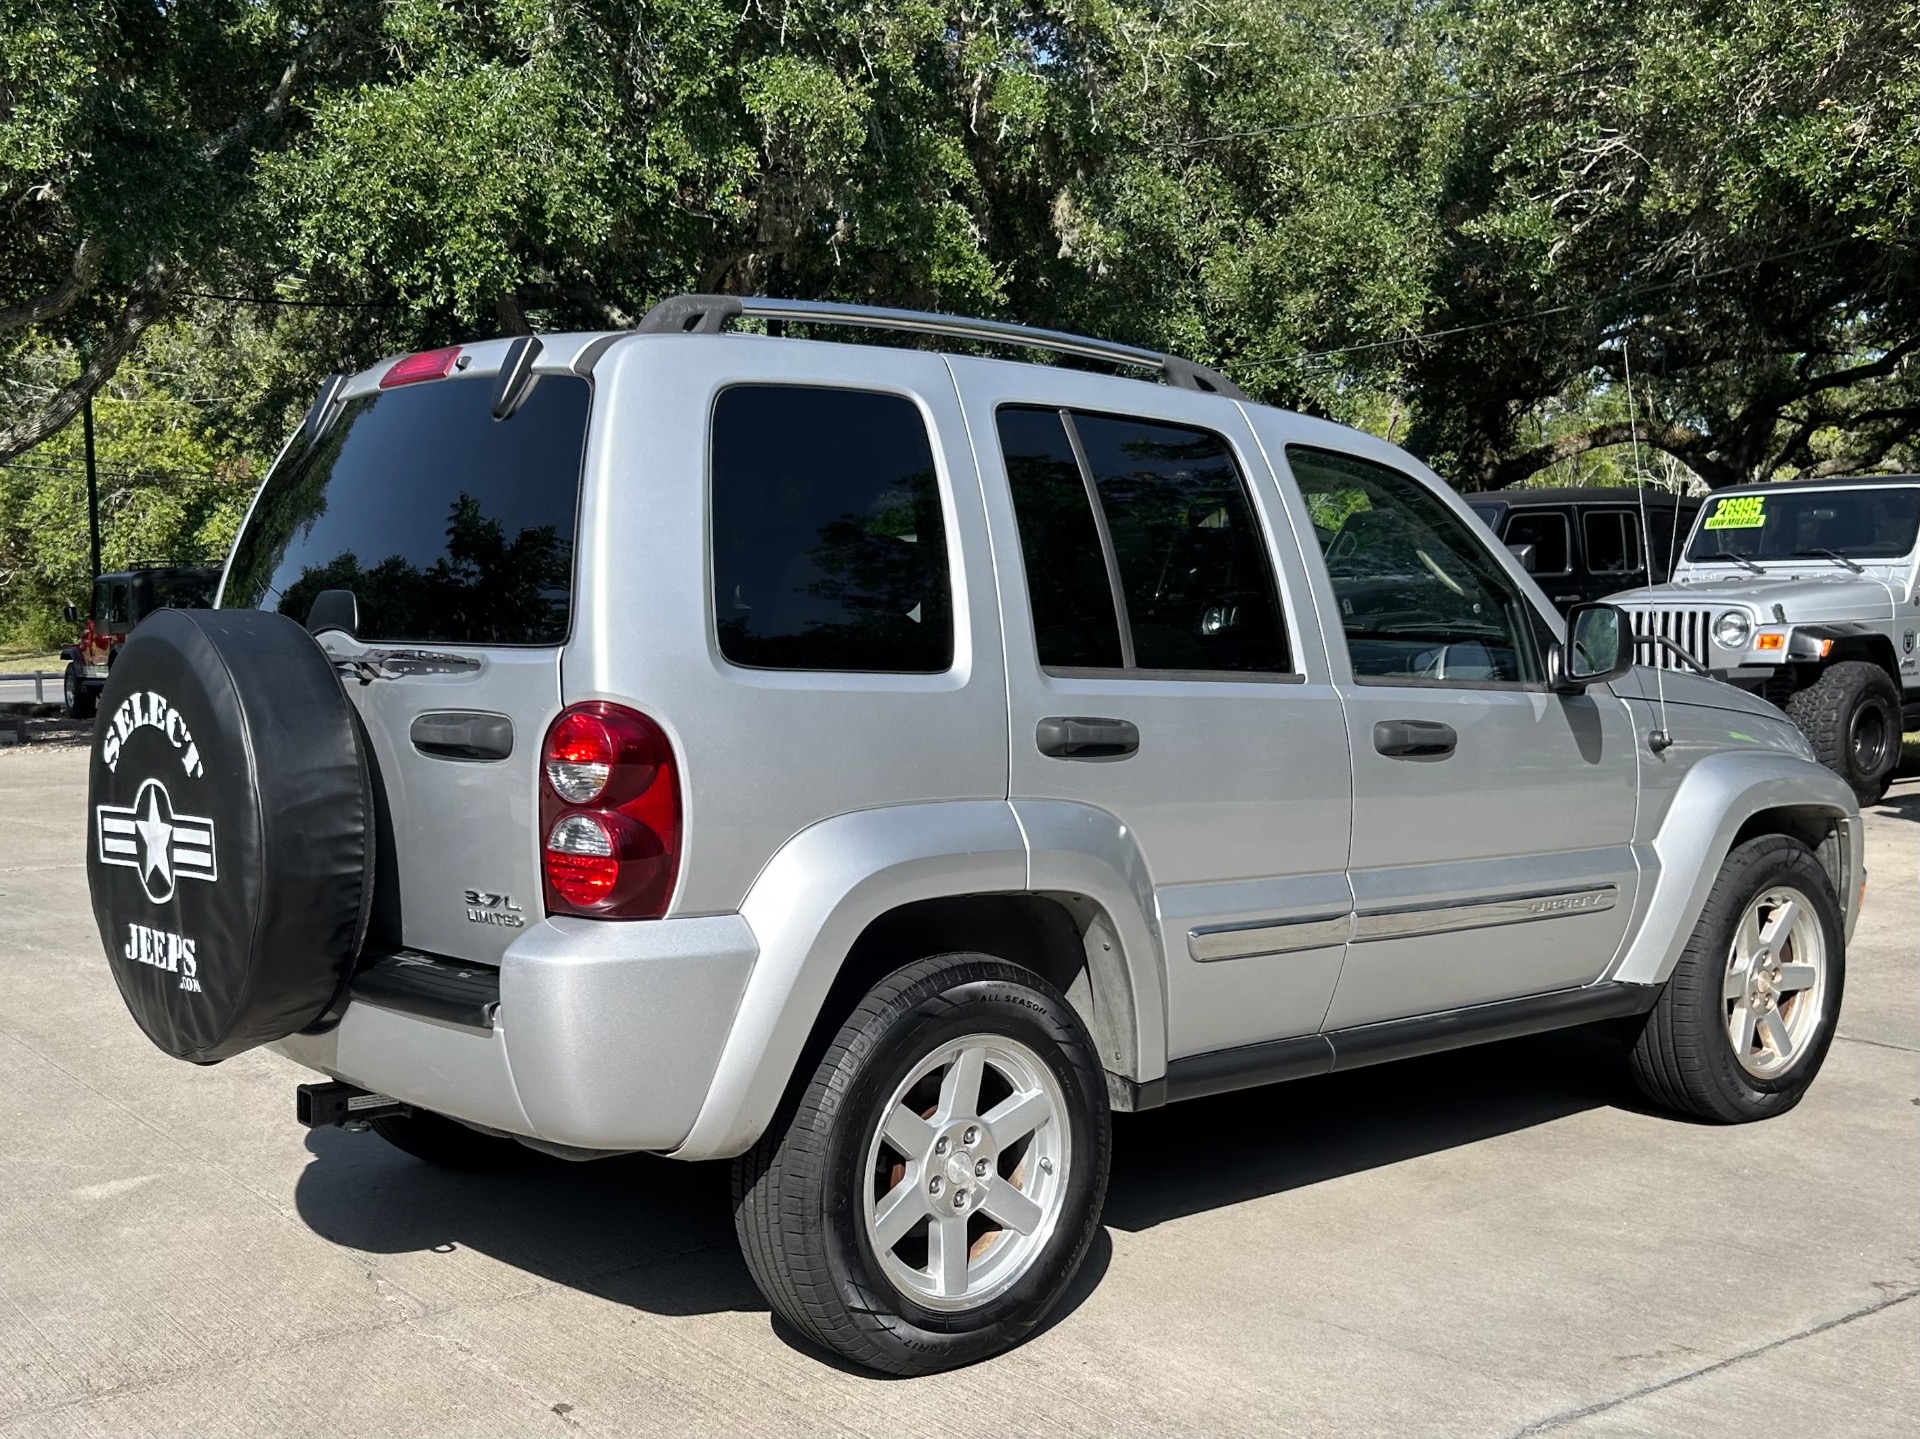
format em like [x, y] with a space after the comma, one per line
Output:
[1421, 598]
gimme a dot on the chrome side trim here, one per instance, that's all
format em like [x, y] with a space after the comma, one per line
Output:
[1243, 941]
[1482, 914]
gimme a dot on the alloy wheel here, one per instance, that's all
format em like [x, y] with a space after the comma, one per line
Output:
[1775, 987]
[966, 1172]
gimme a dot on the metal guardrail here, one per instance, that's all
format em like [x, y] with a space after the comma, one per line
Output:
[39, 678]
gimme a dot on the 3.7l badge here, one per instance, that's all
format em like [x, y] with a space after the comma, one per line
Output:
[485, 908]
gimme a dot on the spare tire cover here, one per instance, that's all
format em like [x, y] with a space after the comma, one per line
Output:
[230, 852]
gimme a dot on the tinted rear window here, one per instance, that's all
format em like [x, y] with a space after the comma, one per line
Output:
[829, 547]
[449, 526]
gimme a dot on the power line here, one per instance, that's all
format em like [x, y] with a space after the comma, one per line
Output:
[1551, 310]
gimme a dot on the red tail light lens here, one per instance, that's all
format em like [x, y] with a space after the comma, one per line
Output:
[427, 365]
[610, 814]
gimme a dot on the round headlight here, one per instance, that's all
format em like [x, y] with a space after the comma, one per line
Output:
[1732, 630]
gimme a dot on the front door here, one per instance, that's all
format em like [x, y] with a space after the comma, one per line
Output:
[1493, 819]
[1167, 703]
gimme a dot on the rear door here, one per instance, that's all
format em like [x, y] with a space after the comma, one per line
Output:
[1163, 690]
[455, 533]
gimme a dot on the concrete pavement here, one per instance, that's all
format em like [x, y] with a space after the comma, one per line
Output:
[1493, 1243]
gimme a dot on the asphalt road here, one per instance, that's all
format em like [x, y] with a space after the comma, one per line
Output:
[1492, 1243]
[22, 691]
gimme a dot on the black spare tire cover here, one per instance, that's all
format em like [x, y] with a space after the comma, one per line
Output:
[230, 852]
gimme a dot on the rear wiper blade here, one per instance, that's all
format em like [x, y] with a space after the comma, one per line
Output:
[1730, 555]
[1834, 555]
[394, 664]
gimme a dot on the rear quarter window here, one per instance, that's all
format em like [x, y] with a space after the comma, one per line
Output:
[829, 545]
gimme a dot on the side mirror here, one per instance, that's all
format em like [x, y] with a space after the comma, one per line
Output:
[1599, 648]
[334, 610]
[1526, 555]
[73, 615]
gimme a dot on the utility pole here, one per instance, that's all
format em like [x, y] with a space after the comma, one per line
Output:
[93, 483]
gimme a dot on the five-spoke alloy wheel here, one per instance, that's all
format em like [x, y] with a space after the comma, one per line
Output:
[926, 1199]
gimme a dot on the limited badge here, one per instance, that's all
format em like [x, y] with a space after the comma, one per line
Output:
[486, 908]
[149, 837]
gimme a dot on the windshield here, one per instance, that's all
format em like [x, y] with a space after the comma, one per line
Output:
[1876, 523]
[448, 525]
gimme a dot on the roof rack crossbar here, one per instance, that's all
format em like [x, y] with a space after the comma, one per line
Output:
[708, 314]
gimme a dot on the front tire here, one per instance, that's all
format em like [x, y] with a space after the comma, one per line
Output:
[931, 1194]
[1744, 1024]
[1851, 717]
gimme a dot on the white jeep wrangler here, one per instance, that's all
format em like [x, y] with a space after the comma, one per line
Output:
[1807, 594]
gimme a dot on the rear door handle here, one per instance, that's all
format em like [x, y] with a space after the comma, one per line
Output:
[1086, 737]
[462, 735]
[1414, 739]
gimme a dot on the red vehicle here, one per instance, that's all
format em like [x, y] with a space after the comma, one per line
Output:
[120, 601]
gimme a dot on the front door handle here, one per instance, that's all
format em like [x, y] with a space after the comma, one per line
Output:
[1414, 739]
[1086, 737]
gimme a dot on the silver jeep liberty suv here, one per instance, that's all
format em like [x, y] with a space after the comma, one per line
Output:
[877, 766]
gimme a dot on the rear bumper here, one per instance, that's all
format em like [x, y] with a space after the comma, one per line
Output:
[606, 1035]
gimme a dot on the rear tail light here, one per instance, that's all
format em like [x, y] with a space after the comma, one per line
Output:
[610, 814]
[427, 365]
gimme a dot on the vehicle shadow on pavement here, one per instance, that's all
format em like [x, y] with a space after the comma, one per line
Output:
[1207, 1153]
[1900, 806]
[649, 1233]
[657, 1235]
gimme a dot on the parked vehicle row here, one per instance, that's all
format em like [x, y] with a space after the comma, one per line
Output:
[877, 767]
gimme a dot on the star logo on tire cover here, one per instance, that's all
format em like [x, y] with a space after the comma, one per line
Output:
[149, 837]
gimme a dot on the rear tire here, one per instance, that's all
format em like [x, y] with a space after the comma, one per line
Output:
[960, 1111]
[1766, 959]
[448, 1143]
[1851, 717]
[76, 699]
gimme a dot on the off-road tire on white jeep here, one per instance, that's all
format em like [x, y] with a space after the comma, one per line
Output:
[450, 1144]
[1683, 1058]
[1831, 713]
[799, 1207]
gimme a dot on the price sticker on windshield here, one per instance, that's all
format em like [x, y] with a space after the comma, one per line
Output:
[1739, 512]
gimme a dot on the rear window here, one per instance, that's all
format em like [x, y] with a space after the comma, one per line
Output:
[448, 525]
[183, 592]
[1171, 574]
[829, 547]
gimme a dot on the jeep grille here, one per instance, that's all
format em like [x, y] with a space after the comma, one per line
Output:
[1689, 629]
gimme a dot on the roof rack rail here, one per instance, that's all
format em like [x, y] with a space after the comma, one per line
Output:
[708, 315]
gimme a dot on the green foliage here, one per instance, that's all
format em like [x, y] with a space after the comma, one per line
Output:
[171, 488]
[1458, 223]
